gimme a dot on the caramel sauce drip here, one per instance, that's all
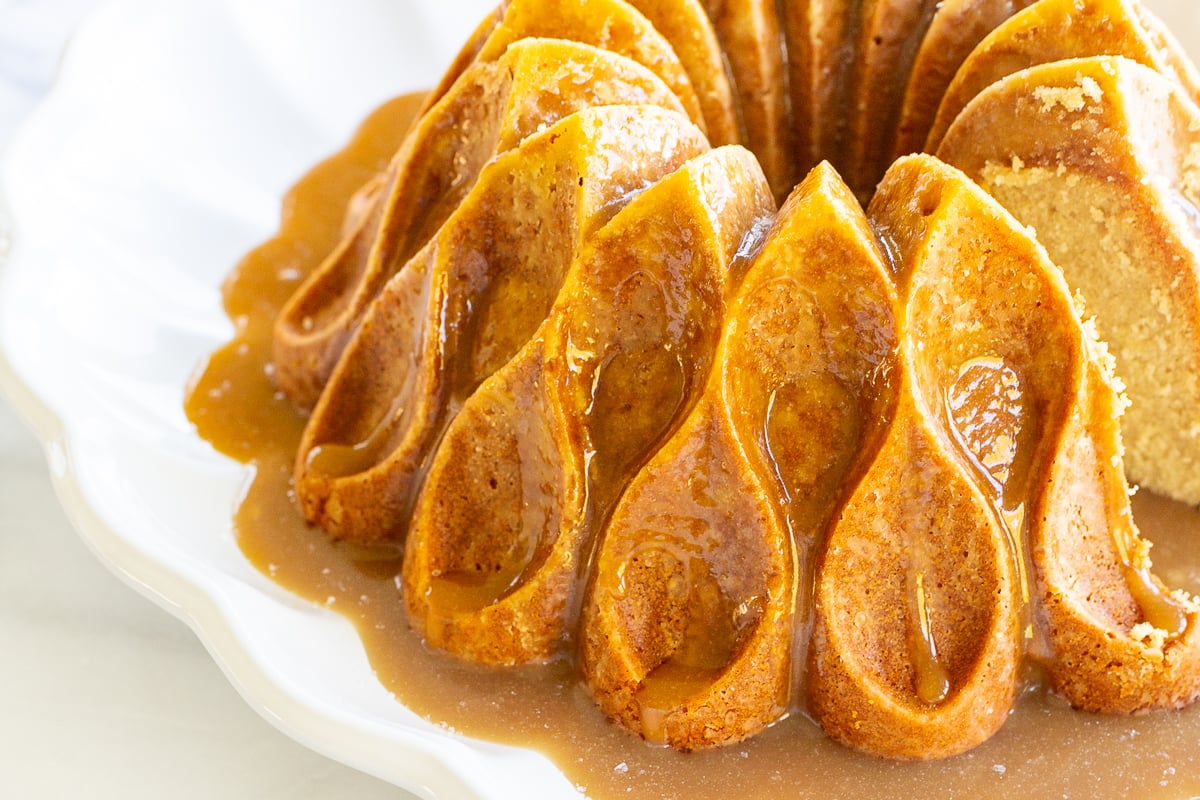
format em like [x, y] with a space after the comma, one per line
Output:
[618, 437]
[993, 429]
[933, 682]
[1158, 607]
[333, 460]
[235, 405]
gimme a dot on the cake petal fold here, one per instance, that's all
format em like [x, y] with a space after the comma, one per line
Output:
[533, 463]
[694, 633]
[465, 304]
[488, 111]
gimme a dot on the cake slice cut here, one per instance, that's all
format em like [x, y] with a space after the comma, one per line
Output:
[488, 111]
[1100, 157]
[465, 304]
[1118, 639]
[1053, 30]
[531, 466]
[693, 631]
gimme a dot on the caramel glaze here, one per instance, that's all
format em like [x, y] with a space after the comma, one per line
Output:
[1045, 750]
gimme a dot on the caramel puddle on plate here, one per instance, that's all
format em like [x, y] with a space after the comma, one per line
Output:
[1045, 749]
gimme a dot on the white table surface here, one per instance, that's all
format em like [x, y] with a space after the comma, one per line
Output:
[103, 695]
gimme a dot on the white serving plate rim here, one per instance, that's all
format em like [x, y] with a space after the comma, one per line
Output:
[428, 760]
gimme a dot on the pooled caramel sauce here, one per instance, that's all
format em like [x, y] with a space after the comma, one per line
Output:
[1046, 750]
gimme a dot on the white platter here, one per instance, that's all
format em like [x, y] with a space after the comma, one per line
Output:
[159, 159]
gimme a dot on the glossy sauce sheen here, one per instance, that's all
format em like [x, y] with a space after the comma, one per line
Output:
[1044, 750]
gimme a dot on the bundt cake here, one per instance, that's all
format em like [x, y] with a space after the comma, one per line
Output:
[617, 411]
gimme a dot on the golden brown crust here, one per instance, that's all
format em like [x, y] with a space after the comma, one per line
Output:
[466, 56]
[537, 456]
[816, 33]
[884, 48]
[749, 32]
[612, 25]
[957, 27]
[465, 304]
[916, 641]
[1049, 31]
[488, 111]
[689, 623]
[692, 617]
[685, 25]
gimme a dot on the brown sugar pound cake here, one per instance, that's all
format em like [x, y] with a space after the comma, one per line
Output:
[490, 110]
[464, 305]
[692, 635]
[1054, 30]
[530, 467]
[1099, 157]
